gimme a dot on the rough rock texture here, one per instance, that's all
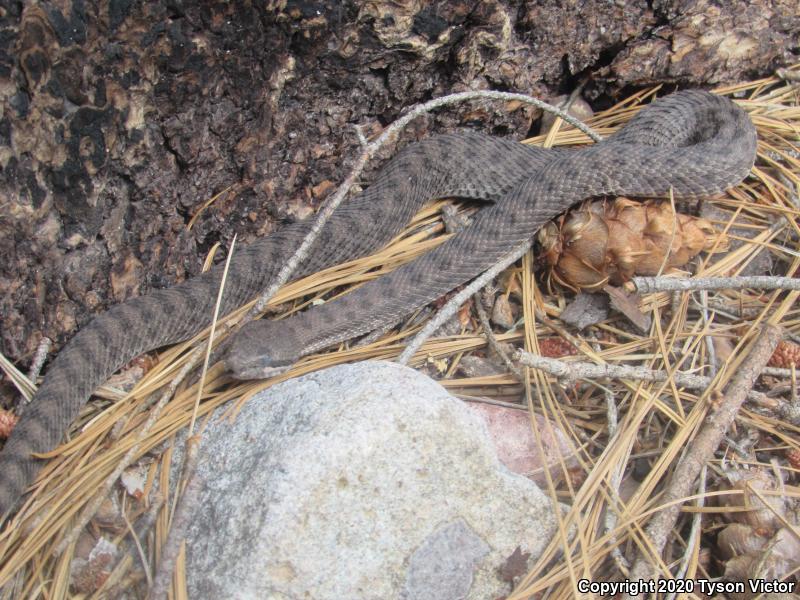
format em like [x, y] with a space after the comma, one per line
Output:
[119, 120]
[360, 481]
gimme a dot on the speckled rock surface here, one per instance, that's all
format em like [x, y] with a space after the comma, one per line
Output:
[361, 481]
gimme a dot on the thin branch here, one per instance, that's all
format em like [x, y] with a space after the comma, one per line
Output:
[646, 285]
[778, 372]
[180, 522]
[38, 360]
[491, 338]
[139, 551]
[612, 516]
[703, 447]
[451, 308]
[570, 371]
[694, 534]
[211, 335]
[709, 340]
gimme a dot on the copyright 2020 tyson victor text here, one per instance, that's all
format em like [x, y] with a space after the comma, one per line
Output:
[684, 586]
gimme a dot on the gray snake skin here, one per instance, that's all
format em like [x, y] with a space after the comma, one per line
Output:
[691, 142]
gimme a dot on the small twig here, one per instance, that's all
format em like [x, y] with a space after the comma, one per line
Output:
[144, 524]
[139, 551]
[709, 340]
[362, 139]
[611, 517]
[778, 372]
[646, 285]
[180, 522]
[719, 306]
[491, 338]
[694, 534]
[38, 359]
[705, 443]
[570, 371]
[449, 309]
[788, 75]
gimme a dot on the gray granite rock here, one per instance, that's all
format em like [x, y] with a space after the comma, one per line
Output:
[361, 481]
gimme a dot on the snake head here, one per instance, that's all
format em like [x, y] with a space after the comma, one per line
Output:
[258, 352]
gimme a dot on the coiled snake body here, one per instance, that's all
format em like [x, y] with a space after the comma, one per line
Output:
[692, 143]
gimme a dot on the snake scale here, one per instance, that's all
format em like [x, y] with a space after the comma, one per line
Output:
[690, 142]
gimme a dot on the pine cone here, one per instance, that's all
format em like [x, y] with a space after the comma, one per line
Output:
[611, 242]
[793, 456]
[7, 422]
[786, 354]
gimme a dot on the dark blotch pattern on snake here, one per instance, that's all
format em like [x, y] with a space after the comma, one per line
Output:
[692, 142]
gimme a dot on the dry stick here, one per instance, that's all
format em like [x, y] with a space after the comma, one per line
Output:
[694, 534]
[38, 360]
[189, 498]
[139, 551]
[646, 285]
[705, 444]
[449, 309]
[724, 309]
[614, 484]
[778, 372]
[491, 338]
[571, 371]
[142, 528]
[709, 340]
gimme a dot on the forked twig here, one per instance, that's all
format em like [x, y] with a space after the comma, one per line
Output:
[571, 371]
[449, 309]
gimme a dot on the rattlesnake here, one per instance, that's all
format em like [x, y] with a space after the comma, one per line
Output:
[691, 142]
